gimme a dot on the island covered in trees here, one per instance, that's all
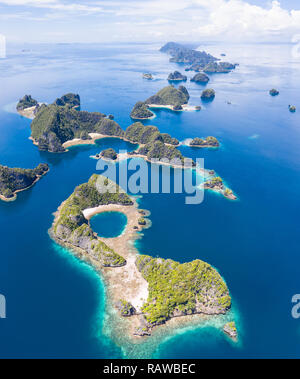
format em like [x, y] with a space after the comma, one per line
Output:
[14, 180]
[197, 60]
[152, 290]
[175, 99]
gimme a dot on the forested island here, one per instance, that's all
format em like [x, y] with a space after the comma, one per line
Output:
[168, 97]
[152, 290]
[197, 60]
[57, 123]
[14, 180]
[56, 127]
[205, 142]
[177, 76]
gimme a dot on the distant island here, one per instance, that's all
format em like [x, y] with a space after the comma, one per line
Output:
[205, 142]
[148, 76]
[146, 291]
[177, 76]
[200, 78]
[292, 108]
[197, 60]
[274, 92]
[168, 97]
[208, 94]
[14, 180]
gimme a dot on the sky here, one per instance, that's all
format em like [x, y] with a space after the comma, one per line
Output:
[149, 20]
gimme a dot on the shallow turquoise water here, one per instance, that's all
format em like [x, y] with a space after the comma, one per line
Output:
[55, 304]
[109, 224]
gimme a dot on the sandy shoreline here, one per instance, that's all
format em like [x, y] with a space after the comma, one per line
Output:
[185, 107]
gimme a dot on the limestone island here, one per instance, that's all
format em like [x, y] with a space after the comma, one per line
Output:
[147, 76]
[274, 92]
[109, 154]
[57, 126]
[219, 68]
[198, 60]
[141, 111]
[231, 331]
[205, 142]
[177, 76]
[168, 97]
[157, 147]
[183, 54]
[208, 95]
[146, 292]
[216, 184]
[27, 107]
[292, 108]
[14, 180]
[200, 78]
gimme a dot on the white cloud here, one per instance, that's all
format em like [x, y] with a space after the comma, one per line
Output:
[231, 20]
[241, 20]
[55, 5]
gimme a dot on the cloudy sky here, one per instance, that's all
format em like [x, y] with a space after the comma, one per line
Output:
[148, 20]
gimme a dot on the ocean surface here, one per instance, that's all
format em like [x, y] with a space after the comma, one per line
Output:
[109, 224]
[55, 303]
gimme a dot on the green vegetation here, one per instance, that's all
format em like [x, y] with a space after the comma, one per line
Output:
[208, 94]
[208, 141]
[69, 99]
[179, 289]
[170, 96]
[222, 67]
[215, 182]
[231, 330]
[274, 92]
[54, 125]
[72, 227]
[126, 309]
[169, 140]
[16, 179]
[26, 102]
[109, 154]
[141, 111]
[228, 192]
[183, 54]
[158, 150]
[176, 76]
[200, 78]
[142, 221]
[292, 108]
[140, 133]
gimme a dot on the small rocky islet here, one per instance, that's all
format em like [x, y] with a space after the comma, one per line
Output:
[169, 96]
[208, 94]
[205, 142]
[177, 76]
[200, 78]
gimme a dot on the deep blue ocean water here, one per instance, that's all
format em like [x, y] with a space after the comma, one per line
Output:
[56, 304]
[109, 224]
